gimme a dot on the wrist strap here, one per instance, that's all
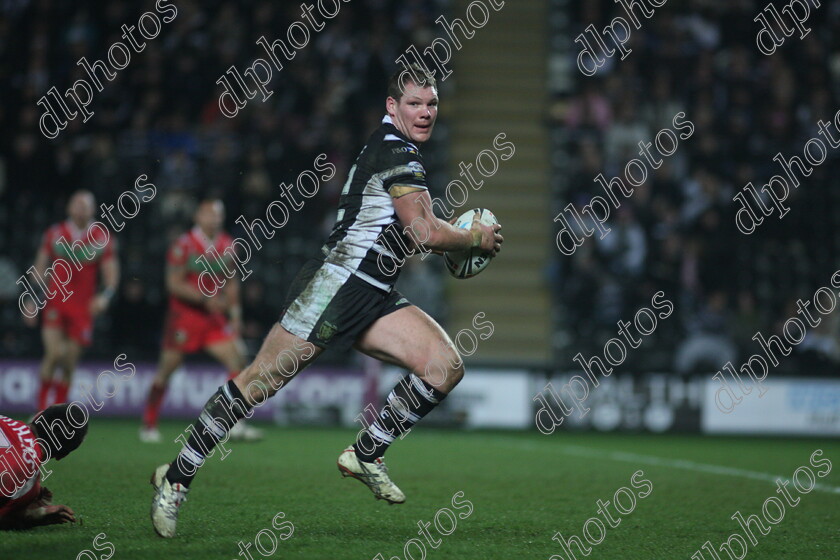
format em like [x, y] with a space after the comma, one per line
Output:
[476, 241]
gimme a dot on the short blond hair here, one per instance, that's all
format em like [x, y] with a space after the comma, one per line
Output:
[415, 72]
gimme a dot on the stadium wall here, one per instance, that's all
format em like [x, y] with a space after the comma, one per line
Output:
[487, 398]
[323, 396]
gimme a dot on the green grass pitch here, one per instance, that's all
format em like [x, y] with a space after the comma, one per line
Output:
[523, 487]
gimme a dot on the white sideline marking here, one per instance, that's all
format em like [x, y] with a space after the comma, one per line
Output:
[683, 464]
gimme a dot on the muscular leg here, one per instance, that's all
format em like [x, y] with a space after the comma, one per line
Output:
[54, 347]
[230, 353]
[412, 340]
[281, 357]
[72, 352]
[170, 359]
[227, 353]
[408, 338]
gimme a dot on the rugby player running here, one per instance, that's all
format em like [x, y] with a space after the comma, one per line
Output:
[67, 324]
[346, 297]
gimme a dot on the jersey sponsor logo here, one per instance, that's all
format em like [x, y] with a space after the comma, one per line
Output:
[401, 301]
[79, 253]
[404, 150]
[417, 168]
[215, 265]
[327, 331]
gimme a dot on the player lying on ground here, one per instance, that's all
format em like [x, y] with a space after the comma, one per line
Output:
[67, 326]
[23, 501]
[195, 321]
[345, 297]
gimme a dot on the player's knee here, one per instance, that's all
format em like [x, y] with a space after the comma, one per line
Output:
[68, 363]
[454, 360]
[444, 371]
[53, 354]
[162, 377]
[233, 361]
[457, 372]
[58, 362]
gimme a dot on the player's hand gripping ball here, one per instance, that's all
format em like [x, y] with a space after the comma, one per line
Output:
[466, 264]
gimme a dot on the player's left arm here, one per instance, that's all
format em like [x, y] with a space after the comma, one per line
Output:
[110, 281]
[434, 234]
[413, 206]
[437, 251]
[38, 512]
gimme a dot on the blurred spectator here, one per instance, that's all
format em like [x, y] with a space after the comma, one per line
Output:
[747, 322]
[624, 249]
[709, 344]
[676, 232]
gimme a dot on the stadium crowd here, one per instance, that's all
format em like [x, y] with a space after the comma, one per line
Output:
[677, 231]
[160, 117]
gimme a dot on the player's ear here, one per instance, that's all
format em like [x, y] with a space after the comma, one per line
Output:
[391, 106]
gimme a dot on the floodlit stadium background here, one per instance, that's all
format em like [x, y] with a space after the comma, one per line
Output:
[516, 76]
[531, 312]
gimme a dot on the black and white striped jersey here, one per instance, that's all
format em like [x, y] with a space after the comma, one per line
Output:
[367, 239]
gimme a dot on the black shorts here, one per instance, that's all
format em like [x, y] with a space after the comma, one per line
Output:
[329, 306]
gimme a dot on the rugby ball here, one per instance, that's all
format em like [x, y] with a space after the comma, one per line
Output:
[466, 264]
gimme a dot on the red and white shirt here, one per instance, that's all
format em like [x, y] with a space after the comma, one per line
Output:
[86, 248]
[20, 459]
[194, 251]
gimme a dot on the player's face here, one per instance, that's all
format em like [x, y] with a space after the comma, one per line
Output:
[80, 208]
[415, 113]
[210, 216]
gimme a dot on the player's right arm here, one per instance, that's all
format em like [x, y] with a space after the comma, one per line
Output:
[177, 285]
[42, 259]
[110, 280]
[45, 254]
[414, 210]
[233, 303]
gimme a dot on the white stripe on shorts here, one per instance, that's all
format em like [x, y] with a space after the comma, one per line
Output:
[302, 315]
[373, 282]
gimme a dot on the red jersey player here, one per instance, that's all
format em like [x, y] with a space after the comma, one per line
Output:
[23, 448]
[196, 321]
[67, 326]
